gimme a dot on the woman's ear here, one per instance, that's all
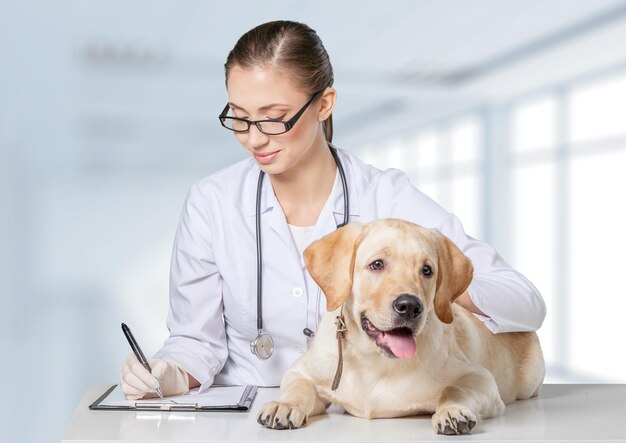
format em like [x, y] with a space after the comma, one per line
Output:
[454, 274]
[330, 261]
[327, 101]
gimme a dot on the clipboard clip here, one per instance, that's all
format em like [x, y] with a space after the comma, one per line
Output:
[165, 406]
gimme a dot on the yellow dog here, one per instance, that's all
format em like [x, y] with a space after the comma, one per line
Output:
[393, 342]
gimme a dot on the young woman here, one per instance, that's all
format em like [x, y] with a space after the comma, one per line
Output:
[293, 189]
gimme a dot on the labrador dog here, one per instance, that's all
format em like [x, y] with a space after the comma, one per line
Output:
[393, 342]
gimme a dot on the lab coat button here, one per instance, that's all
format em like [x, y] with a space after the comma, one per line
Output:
[297, 292]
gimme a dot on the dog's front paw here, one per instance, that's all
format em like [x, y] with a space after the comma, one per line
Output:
[276, 415]
[454, 421]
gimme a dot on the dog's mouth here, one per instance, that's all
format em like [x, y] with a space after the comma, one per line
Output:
[396, 342]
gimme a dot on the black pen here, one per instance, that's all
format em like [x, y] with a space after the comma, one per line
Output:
[137, 350]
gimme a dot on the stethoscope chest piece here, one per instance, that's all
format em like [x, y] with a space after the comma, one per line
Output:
[262, 346]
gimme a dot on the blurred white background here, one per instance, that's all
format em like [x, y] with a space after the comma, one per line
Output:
[510, 114]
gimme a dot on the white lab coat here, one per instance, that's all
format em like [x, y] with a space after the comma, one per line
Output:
[213, 297]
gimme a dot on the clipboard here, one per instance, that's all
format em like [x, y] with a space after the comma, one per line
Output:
[216, 398]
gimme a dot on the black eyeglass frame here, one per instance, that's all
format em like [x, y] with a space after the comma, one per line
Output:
[289, 124]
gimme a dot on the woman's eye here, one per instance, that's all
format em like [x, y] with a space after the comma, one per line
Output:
[427, 271]
[377, 265]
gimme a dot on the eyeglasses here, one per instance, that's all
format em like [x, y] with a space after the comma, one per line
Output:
[268, 127]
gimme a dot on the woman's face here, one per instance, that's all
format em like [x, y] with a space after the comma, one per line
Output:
[259, 93]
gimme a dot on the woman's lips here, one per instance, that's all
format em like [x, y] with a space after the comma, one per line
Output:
[265, 159]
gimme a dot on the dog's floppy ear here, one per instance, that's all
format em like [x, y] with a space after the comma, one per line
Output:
[453, 276]
[330, 261]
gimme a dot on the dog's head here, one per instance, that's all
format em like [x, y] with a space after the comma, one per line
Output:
[391, 275]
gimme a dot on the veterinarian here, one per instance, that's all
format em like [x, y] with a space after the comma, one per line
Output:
[293, 188]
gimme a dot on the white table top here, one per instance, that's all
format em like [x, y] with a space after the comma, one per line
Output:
[562, 413]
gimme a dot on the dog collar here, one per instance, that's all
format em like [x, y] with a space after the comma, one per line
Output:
[341, 330]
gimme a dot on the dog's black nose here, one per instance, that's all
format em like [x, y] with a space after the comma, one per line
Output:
[408, 306]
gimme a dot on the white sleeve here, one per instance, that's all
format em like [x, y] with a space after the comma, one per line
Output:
[197, 341]
[510, 300]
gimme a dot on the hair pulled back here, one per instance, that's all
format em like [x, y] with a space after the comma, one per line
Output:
[289, 48]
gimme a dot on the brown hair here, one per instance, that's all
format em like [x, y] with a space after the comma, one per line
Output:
[291, 48]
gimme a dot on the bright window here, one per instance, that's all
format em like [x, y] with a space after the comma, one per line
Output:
[568, 156]
[598, 110]
[534, 229]
[465, 177]
[533, 224]
[428, 147]
[442, 162]
[533, 125]
[466, 140]
[598, 241]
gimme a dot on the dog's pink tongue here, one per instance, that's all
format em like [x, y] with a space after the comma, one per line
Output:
[401, 344]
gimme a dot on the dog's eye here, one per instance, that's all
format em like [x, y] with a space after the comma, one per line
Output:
[377, 265]
[427, 271]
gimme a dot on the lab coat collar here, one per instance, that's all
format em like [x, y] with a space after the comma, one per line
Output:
[330, 216]
[269, 202]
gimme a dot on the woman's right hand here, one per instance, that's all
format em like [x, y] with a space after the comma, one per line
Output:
[138, 383]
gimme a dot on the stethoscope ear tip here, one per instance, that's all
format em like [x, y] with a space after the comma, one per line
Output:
[308, 332]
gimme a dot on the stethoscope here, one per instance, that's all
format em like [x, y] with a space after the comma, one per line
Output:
[263, 345]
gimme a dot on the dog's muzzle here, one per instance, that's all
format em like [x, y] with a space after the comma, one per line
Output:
[398, 341]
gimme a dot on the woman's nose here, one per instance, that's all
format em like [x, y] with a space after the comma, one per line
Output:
[256, 138]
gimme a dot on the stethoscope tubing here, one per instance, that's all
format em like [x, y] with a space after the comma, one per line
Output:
[259, 250]
[259, 257]
[344, 185]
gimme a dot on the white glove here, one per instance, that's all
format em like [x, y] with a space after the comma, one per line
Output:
[138, 383]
